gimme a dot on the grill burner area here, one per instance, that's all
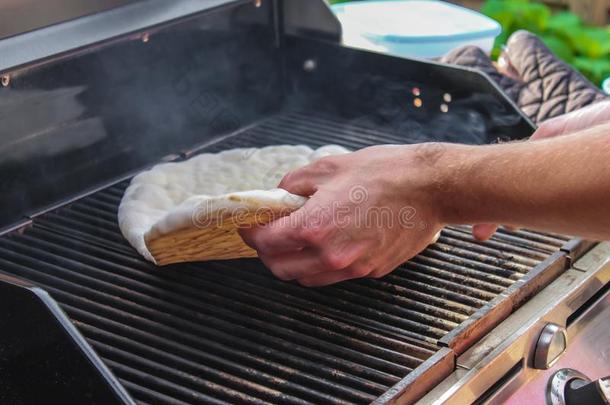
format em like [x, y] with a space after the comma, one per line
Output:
[228, 332]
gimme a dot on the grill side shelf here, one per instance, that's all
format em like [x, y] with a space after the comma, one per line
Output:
[44, 358]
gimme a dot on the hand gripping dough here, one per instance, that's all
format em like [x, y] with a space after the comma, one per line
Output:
[190, 211]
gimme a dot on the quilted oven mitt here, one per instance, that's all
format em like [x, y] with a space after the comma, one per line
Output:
[541, 84]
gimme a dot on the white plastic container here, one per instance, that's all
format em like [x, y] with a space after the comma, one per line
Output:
[414, 28]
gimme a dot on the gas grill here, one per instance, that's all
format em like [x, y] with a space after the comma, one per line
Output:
[87, 103]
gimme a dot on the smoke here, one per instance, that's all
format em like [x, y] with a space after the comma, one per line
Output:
[95, 117]
[412, 112]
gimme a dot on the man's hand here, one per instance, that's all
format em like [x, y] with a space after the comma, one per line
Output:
[369, 212]
[575, 121]
[373, 209]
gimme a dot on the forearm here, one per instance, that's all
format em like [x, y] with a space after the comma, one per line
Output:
[559, 185]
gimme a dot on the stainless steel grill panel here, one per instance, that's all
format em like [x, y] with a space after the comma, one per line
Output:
[227, 332]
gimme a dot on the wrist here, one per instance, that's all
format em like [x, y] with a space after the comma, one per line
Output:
[454, 178]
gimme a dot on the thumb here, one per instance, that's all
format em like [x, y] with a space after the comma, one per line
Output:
[299, 182]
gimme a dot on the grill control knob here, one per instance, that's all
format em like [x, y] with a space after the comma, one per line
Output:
[592, 393]
[551, 344]
[569, 387]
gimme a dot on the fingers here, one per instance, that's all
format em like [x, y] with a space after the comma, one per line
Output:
[551, 128]
[393, 261]
[306, 263]
[435, 238]
[483, 232]
[574, 121]
[286, 234]
[310, 262]
[383, 271]
[358, 270]
[309, 226]
[305, 181]
[290, 266]
[276, 237]
[363, 267]
[297, 182]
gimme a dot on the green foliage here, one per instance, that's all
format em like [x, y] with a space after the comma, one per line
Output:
[563, 21]
[518, 14]
[586, 48]
[558, 47]
[595, 69]
[592, 42]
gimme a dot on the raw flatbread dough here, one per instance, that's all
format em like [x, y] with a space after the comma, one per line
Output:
[190, 211]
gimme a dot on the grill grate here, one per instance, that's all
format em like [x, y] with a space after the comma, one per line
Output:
[227, 332]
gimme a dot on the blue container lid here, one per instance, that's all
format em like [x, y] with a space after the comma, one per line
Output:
[415, 21]
[606, 86]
